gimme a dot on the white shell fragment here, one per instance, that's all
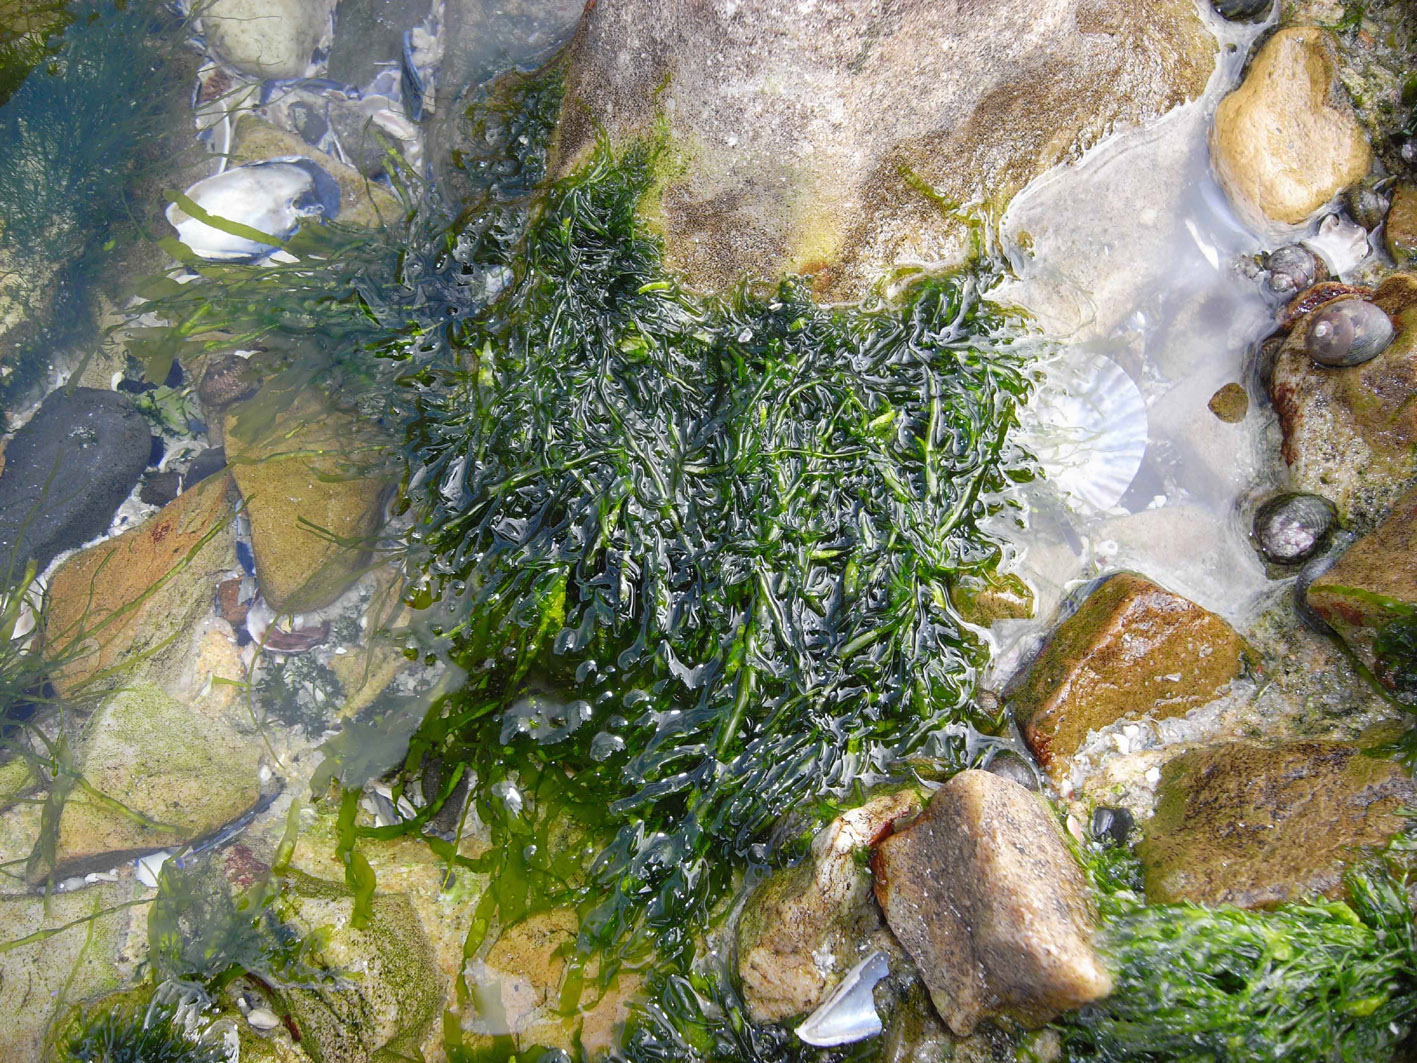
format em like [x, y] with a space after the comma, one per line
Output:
[1087, 427]
[849, 1012]
[263, 1019]
[272, 197]
[150, 867]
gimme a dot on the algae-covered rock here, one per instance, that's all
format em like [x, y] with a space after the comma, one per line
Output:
[1369, 596]
[313, 479]
[42, 979]
[1400, 236]
[1286, 141]
[132, 595]
[1256, 826]
[986, 897]
[1132, 649]
[1350, 434]
[156, 773]
[267, 38]
[834, 139]
[388, 995]
[805, 926]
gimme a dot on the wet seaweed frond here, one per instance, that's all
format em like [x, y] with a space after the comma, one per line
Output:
[128, 1033]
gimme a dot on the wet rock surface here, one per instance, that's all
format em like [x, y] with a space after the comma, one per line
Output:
[805, 926]
[1350, 434]
[67, 471]
[1286, 141]
[1369, 597]
[824, 139]
[984, 894]
[1132, 649]
[1254, 825]
[134, 594]
[267, 38]
[312, 481]
[1400, 236]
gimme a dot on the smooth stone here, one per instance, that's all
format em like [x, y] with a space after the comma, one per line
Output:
[1133, 649]
[828, 139]
[160, 488]
[1371, 588]
[128, 597]
[66, 473]
[983, 892]
[175, 771]
[1256, 826]
[1230, 403]
[805, 926]
[1400, 237]
[313, 480]
[267, 38]
[1350, 434]
[1286, 141]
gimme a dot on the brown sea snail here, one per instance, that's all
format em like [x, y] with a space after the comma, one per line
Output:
[1348, 332]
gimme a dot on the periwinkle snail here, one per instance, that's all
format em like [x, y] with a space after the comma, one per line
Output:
[1291, 528]
[1348, 332]
[1292, 268]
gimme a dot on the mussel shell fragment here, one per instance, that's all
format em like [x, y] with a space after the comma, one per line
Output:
[272, 198]
[849, 1012]
[1348, 332]
[1292, 269]
[1291, 528]
[1241, 10]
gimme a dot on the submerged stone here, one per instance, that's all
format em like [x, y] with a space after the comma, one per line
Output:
[313, 480]
[267, 38]
[1257, 826]
[1286, 141]
[805, 926]
[1400, 237]
[1132, 649]
[132, 595]
[837, 139]
[66, 473]
[986, 897]
[1350, 434]
[1369, 597]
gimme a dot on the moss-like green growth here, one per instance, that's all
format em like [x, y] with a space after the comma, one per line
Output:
[132, 1034]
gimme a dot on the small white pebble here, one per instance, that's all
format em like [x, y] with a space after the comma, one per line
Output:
[263, 1018]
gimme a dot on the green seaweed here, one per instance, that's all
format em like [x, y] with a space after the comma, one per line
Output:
[1395, 658]
[128, 1033]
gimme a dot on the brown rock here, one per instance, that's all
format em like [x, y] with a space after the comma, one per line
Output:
[985, 895]
[1132, 649]
[836, 138]
[1286, 141]
[805, 926]
[1256, 826]
[1351, 434]
[1369, 597]
[130, 595]
[313, 480]
[1401, 233]
[1230, 403]
[227, 378]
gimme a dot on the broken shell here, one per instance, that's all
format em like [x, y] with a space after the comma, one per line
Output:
[1348, 332]
[849, 1012]
[263, 203]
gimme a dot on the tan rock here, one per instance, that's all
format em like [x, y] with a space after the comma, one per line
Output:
[985, 895]
[834, 139]
[1400, 236]
[805, 926]
[312, 479]
[1256, 826]
[1286, 141]
[1132, 649]
[134, 595]
[1351, 434]
[267, 38]
[153, 773]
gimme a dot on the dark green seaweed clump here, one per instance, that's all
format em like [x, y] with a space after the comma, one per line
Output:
[130, 1034]
[714, 537]
[1306, 982]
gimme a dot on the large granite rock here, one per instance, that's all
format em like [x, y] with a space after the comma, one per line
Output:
[1351, 434]
[1286, 141]
[156, 773]
[805, 926]
[66, 473]
[833, 139]
[1132, 649]
[312, 479]
[1256, 826]
[1369, 597]
[135, 594]
[985, 895]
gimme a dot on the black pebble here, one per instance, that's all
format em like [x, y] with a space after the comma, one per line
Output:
[160, 488]
[67, 471]
[207, 463]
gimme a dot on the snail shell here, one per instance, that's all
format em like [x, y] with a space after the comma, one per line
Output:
[1241, 10]
[1366, 205]
[1292, 528]
[1313, 298]
[1348, 332]
[1292, 268]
